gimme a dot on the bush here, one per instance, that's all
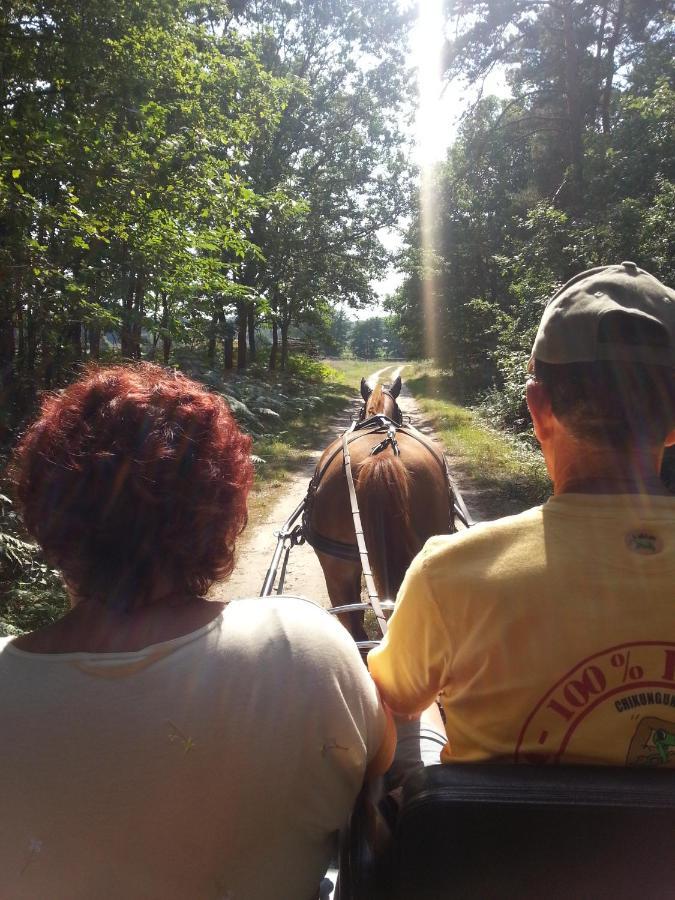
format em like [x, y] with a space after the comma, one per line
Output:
[505, 407]
[307, 368]
[31, 593]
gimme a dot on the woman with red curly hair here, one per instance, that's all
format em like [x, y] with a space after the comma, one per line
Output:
[155, 743]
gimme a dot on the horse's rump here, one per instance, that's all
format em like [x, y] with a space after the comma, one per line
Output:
[403, 500]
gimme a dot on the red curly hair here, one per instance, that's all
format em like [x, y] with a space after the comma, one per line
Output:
[134, 474]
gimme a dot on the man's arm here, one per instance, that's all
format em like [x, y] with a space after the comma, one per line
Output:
[411, 665]
[379, 763]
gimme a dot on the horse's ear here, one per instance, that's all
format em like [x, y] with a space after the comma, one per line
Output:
[396, 387]
[365, 390]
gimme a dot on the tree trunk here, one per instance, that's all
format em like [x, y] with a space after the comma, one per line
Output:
[573, 99]
[213, 337]
[20, 335]
[166, 348]
[126, 336]
[242, 322]
[275, 346]
[228, 352]
[75, 332]
[285, 324]
[94, 341]
[250, 315]
[138, 312]
[31, 343]
[167, 340]
[7, 348]
[605, 107]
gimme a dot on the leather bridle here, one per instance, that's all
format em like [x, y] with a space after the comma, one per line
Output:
[398, 417]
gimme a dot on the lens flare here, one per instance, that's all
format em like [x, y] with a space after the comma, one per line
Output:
[431, 141]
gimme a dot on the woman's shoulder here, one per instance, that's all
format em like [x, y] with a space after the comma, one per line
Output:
[289, 623]
[287, 613]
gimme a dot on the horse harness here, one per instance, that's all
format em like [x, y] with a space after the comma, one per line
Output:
[376, 424]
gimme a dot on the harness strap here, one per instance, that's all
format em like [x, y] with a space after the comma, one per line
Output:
[360, 537]
[376, 424]
[390, 439]
[338, 549]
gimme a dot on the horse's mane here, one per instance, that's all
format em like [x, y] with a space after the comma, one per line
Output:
[375, 402]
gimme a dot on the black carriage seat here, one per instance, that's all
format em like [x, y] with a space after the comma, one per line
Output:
[496, 831]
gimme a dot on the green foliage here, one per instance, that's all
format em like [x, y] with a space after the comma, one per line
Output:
[576, 169]
[309, 370]
[508, 470]
[338, 148]
[167, 167]
[375, 338]
[31, 594]
[334, 337]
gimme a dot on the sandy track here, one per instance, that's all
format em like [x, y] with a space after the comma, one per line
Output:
[256, 547]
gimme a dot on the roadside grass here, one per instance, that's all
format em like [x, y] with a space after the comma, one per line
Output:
[508, 470]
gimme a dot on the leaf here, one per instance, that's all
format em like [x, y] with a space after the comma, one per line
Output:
[16, 173]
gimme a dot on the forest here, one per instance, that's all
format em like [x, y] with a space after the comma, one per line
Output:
[188, 173]
[573, 167]
[219, 175]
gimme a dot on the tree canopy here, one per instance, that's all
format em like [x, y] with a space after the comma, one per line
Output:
[575, 168]
[177, 171]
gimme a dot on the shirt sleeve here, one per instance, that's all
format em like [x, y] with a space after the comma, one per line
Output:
[411, 664]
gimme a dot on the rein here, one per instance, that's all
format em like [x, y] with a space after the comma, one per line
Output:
[373, 597]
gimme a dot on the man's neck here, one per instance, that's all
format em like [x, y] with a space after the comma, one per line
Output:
[591, 469]
[604, 485]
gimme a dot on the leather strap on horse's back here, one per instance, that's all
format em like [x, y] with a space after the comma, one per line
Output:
[360, 537]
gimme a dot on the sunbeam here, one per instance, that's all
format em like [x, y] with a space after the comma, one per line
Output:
[430, 145]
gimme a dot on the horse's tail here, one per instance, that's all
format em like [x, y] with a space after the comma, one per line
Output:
[383, 493]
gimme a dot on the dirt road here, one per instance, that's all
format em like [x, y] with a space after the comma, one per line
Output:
[303, 575]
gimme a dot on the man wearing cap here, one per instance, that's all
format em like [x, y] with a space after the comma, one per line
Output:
[550, 635]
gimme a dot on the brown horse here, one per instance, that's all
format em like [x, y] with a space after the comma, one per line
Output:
[403, 500]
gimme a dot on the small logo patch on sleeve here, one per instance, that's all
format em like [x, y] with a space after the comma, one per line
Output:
[645, 542]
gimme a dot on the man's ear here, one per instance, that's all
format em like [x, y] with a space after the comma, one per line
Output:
[539, 404]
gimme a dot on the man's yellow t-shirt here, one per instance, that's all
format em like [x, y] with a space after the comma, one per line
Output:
[550, 635]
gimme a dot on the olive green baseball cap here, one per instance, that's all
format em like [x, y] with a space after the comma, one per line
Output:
[570, 332]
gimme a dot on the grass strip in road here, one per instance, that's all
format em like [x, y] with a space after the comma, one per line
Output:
[507, 470]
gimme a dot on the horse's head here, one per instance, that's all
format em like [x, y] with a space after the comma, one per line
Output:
[380, 401]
